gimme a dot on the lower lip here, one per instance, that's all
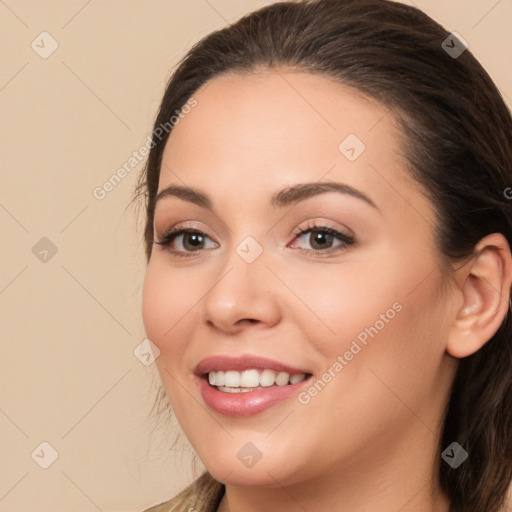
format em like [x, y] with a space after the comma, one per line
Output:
[246, 404]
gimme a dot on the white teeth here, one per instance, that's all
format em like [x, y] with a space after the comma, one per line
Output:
[282, 378]
[232, 381]
[249, 379]
[267, 378]
[235, 390]
[219, 378]
[294, 379]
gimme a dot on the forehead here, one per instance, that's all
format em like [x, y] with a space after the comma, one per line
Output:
[281, 127]
[281, 109]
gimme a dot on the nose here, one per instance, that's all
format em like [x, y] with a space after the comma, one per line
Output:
[241, 294]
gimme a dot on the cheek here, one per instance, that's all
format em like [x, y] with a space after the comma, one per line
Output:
[167, 311]
[343, 303]
[152, 305]
[387, 314]
[404, 356]
[168, 299]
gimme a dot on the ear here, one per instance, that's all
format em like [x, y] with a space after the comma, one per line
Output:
[484, 284]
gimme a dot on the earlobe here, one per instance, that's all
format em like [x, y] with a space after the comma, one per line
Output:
[485, 288]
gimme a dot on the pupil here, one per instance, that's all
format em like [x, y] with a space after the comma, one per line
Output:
[319, 236]
[195, 239]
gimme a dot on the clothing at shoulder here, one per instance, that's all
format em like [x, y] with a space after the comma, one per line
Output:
[202, 495]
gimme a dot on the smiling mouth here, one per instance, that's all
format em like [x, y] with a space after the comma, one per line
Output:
[232, 381]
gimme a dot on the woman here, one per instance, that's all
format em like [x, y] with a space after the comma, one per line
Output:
[329, 270]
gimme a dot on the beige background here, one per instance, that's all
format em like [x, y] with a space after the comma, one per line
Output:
[69, 325]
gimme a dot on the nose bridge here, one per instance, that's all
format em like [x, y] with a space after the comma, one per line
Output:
[242, 289]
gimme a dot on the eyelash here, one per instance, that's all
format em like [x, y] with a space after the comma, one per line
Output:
[347, 241]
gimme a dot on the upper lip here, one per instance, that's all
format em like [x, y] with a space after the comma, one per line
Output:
[243, 362]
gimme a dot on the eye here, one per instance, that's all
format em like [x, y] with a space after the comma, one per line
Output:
[188, 240]
[321, 238]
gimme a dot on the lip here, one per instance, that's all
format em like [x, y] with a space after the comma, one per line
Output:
[251, 402]
[243, 362]
[247, 404]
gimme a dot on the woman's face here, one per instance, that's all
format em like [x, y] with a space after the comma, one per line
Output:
[354, 304]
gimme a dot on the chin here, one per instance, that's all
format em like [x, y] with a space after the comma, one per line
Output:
[233, 474]
[268, 471]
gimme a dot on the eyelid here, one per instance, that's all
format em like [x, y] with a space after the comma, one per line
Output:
[169, 235]
[346, 240]
[188, 225]
[325, 224]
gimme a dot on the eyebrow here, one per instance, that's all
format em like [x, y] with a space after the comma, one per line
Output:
[282, 198]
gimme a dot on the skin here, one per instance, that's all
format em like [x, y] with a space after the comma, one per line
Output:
[369, 440]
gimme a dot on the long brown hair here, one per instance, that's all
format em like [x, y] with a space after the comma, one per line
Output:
[457, 139]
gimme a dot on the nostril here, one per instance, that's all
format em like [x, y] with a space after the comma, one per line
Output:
[249, 320]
